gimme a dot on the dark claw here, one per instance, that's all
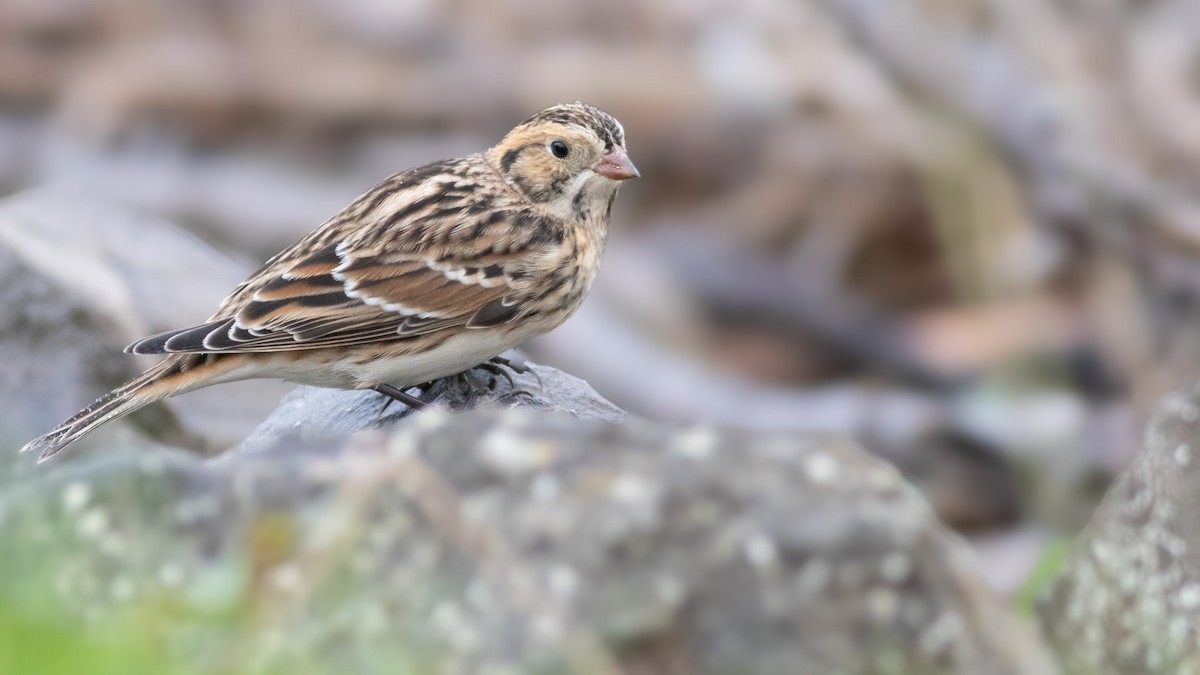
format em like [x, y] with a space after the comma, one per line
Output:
[516, 364]
[518, 393]
[387, 403]
[395, 394]
[497, 371]
[463, 382]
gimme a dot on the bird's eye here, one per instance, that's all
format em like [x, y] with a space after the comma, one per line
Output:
[559, 149]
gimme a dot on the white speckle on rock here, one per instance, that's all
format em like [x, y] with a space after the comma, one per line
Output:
[563, 581]
[401, 446]
[170, 574]
[480, 597]
[696, 443]
[451, 621]
[1154, 660]
[93, 523]
[895, 567]
[545, 488]
[548, 627]
[286, 578]
[430, 420]
[761, 552]
[1183, 454]
[1175, 545]
[941, 634]
[632, 489]
[1101, 552]
[1188, 597]
[821, 468]
[76, 496]
[883, 477]
[669, 590]
[513, 455]
[1187, 411]
[883, 604]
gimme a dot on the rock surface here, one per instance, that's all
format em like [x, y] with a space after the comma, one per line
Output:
[1128, 599]
[313, 415]
[56, 353]
[495, 541]
[514, 541]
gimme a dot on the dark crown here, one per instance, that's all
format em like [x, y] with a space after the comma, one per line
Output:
[604, 125]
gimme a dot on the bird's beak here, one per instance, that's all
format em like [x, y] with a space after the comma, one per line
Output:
[616, 165]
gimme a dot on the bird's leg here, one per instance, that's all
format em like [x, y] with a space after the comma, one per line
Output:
[399, 395]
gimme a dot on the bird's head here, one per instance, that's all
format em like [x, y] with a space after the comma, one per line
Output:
[570, 159]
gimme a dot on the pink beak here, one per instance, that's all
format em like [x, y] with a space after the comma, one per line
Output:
[616, 165]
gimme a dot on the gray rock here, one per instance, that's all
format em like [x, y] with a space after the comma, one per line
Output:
[1128, 598]
[313, 414]
[81, 278]
[514, 541]
[56, 353]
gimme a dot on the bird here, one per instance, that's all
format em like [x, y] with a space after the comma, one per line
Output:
[433, 271]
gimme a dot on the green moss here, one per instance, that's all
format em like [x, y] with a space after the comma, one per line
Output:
[65, 611]
[1054, 556]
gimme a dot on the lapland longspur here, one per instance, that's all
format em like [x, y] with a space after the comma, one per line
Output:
[431, 272]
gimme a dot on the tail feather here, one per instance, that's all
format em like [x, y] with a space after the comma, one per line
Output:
[107, 408]
[157, 383]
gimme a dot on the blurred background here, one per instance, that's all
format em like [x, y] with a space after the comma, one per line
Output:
[965, 233]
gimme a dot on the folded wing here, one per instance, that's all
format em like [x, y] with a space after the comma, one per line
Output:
[357, 290]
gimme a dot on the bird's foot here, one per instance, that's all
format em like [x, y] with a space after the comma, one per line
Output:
[496, 368]
[506, 367]
[495, 372]
[501, 367]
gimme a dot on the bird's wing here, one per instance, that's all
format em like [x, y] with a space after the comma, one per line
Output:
[449, 263]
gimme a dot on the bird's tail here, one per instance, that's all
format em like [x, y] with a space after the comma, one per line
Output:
[175, 375]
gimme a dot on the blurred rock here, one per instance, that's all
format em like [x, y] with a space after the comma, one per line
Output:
[521, 541]
[82, 279]
[1128, 598]
[1007, 558]
[251, 203]
[57, 351]
[992, 177]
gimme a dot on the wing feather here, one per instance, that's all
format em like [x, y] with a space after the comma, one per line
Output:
[427, 264]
